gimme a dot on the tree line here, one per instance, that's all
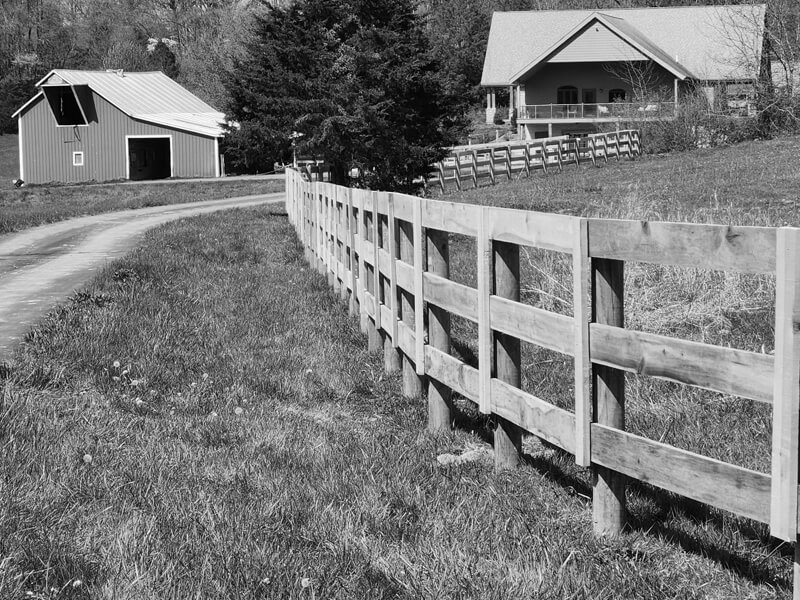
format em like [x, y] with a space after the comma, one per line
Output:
[373, 86]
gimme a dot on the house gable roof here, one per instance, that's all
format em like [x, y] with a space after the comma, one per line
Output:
[151, 97]
[703, 42]
[627, 34]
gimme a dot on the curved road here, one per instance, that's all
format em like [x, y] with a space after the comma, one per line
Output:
[40, 267]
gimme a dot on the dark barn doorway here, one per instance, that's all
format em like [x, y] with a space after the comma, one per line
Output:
[149, 158]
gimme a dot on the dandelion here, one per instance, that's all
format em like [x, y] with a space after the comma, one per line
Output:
[309, 371]
[115, 364]
[305, 582]
[205, 376]
[238, 410]
[87, 458]
[134, 382]
[213, 415]
[77, 583]
[265, 581]
[115, 378]
[139, 402]
[125, 372]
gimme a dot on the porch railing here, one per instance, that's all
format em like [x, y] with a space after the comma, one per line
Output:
[599, 111]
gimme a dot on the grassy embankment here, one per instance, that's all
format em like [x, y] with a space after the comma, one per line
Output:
[9, 159]
[294, 461]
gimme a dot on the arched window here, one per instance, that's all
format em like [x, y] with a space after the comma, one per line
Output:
[616, 95]
[567, 94]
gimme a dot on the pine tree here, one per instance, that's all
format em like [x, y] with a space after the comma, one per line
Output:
[355, 78]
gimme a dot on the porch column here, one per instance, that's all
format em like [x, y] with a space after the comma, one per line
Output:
[549, 130]
[491, 108]
[511, 101]
[675, 108]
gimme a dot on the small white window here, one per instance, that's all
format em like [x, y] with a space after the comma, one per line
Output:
[77, 159]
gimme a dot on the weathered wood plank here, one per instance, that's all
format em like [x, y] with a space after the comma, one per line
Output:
[581, 286]
[405, 339]
[404, 274]
[527, 228]
[419, 294]
[394, 252]
[531, 324]
[534, 415]
[404, 207]
[452, 296]
[729, 248]
[735, 489]
[485, 354]
[786, 404]
[455, 217]
[725, 370]
[456, 375]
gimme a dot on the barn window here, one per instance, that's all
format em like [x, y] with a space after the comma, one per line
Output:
[77, 159]
[65, 106]
[567, 94]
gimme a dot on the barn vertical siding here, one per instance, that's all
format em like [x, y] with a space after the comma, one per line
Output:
[47, 149]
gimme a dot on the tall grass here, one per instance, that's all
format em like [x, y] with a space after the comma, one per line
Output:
[204, 422]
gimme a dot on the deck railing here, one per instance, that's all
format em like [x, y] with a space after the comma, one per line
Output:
[597, 111]
[488, 163]
[388, 256]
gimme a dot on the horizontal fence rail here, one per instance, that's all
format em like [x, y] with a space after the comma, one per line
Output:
[470, 166]
[387, 254]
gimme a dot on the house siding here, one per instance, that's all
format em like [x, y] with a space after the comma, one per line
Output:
[47, 149]
[597, 44]
[542, 87]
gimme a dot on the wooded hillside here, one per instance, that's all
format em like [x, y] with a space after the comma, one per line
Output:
[195, 42]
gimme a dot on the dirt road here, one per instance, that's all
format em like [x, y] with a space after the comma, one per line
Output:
[40, 267]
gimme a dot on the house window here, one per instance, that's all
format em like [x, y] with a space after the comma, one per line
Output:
[77, 159]
[567, 95]
[616, 95]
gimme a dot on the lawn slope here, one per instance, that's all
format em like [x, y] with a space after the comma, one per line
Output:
[204, 422]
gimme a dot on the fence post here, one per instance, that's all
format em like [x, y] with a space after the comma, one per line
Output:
[441, 174]
[507, 351]
[344, 234]
[391, 356]
[508, 162]
[608, 498]
[439, 395]
[351, 236]
[527, 159]
[786, 391]
[361, 242]
[334, 200]
[373, 337]
[412, 383]
[581, 277]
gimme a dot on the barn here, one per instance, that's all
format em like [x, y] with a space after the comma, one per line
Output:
[109, 125]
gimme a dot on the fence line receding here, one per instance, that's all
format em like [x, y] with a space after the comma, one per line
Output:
[388, 255]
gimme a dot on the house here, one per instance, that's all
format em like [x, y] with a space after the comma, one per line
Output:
[571, 71]
[109, 125]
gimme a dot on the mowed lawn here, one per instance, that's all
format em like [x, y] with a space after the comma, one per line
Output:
[204, 422]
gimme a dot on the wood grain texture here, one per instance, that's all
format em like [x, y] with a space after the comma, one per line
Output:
[725, 370]
[534, 415]
[485, 354]
[394, 253]
[455, 217]
[419, 293]
[728, 248]
[786, 403]
[735, 489]
[581, 286]
[531, 324]
[528, 228]
[454, 297]
[456, 375]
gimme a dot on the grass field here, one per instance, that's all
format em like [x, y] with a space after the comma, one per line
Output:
[9, 159]
[204, 422]
[30, 206]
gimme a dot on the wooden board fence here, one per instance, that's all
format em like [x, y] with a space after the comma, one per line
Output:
[471, 166]
[387, 254]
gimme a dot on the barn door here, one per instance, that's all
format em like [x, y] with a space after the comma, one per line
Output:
[149, 158]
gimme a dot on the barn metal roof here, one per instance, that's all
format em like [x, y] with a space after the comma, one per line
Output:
[705, 42]
[151, 97]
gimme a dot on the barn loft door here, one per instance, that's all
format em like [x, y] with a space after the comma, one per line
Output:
[149, 158]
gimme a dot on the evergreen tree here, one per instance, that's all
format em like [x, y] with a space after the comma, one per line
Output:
[355, 78]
